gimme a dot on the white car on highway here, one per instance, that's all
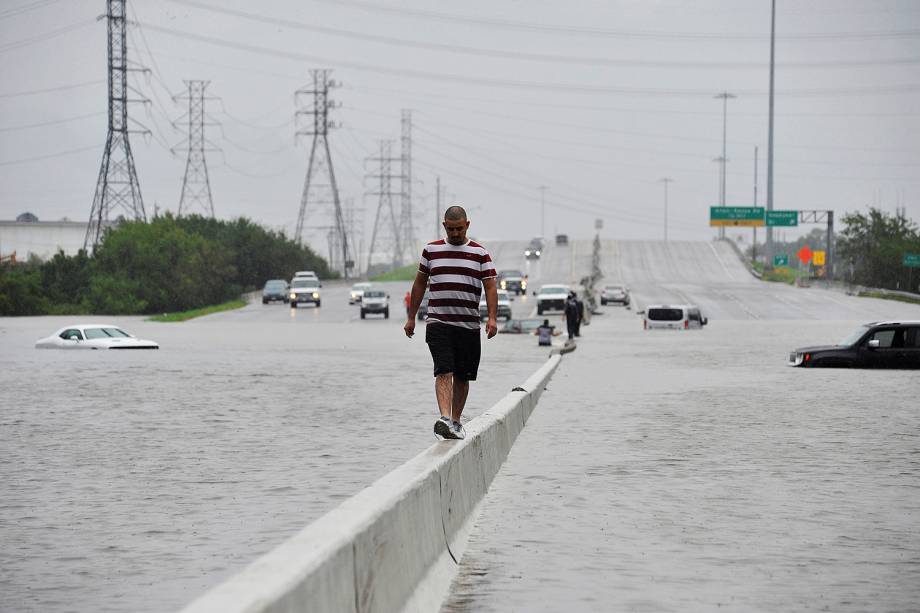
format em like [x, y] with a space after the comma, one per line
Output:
[357, 292]
[552, 298]
[93, 336]
[673, 317]
[304, 289]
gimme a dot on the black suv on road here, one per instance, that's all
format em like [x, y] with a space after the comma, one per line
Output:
[882, 344]
[512, 281]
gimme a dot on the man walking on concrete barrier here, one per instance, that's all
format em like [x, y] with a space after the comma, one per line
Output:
[456, 271]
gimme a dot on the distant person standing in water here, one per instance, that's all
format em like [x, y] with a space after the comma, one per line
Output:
[546, 333]
[456, 271]
[571, 314]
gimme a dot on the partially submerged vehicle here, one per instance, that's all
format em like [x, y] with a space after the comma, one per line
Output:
[93, 336]
[673, 317]
[880, 344]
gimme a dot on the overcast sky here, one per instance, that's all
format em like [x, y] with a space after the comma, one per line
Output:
[596, 99]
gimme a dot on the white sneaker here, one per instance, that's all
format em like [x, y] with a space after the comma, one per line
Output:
[458, 430]
[443, 429]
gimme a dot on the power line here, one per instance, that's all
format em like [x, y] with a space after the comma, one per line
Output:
[26, 8]
[515, 84]
[522, 55]
[630, 34]
[415, 94]
[48, 90]
[40, 38]
[48, 156]
[51, 123]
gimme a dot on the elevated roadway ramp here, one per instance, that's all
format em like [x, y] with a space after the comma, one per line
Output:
[706, 273]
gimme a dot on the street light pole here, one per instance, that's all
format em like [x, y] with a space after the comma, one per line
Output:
[769, 253]
[724, 96]
[542, 189]
[666, 180]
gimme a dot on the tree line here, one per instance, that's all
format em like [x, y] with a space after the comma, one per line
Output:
[166, 265]
[869, 250]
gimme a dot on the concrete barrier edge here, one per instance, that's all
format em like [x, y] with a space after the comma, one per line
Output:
[396, 544]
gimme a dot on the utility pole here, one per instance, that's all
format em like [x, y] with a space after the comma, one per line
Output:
[769, 254]
[754, 246]
[196, 188]
[386, 220]
[437, 207]
[724, 96]
[542, 189]
[117, 185]
[321, 157]
[719, 161]
[666, 180]
[407, 220]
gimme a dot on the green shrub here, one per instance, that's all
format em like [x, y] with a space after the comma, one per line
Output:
[21, 292]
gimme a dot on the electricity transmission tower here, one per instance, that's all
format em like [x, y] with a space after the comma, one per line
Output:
[407, 220]
[196, 188]
[321, 159]
[386, 221]
[117, 186]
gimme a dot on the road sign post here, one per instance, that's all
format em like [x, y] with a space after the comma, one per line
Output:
[746, 216]
[805, 254]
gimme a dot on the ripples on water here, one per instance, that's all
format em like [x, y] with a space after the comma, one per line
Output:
[698, 473]
[133, 481]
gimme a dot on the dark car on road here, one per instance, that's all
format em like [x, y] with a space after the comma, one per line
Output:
[512, 281]
[534, 249]
[882, 344]
[275, 289]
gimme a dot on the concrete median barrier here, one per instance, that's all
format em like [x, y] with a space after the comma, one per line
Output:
[395, 545]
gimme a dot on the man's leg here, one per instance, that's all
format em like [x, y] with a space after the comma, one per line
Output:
[460, 391]
[444, 389]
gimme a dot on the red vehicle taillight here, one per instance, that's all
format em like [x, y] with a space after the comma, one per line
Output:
[686, 324]
[645, 324]
[807, 356]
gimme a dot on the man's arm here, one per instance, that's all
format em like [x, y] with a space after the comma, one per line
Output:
[492, 305]
[415, 300]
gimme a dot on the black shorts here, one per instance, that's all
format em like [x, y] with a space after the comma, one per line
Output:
[453, 349]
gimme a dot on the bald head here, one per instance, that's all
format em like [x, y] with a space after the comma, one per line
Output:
[455, 213]
[455, 224]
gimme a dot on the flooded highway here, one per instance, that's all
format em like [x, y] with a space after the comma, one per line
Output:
[133, 481]
[136, 480]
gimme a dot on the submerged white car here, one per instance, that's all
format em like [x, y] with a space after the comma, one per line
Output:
[93, 336]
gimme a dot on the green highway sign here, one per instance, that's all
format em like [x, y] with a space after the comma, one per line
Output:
[780, 260]
[912, 260]
[750, 216]
[782, 218]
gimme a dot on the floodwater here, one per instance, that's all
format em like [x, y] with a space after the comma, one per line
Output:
[678, 464]
[695, 471]
[135, 480]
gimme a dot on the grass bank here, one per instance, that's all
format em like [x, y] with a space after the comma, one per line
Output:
[887, 296]
[780, 274]
[406, 273]
[208, 310]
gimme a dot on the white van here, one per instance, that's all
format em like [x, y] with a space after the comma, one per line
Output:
[673, 317]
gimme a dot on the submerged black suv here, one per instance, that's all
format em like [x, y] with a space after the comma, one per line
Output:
[882, 344]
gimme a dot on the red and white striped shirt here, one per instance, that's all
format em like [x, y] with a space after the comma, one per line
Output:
[455, 274]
